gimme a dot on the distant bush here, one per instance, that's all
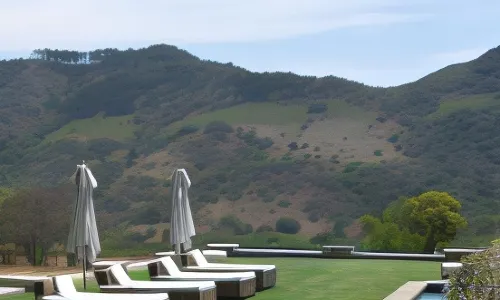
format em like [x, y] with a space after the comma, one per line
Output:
[377, 152]
[394, 138]
[313, 216]
[293, 146]
[284, 203]
[218, 126]
[288, 225]
[252, 139]
[317, 148]
[264, 228]
[323, 238]
[235, 224]
[304, 146]
[263, 143]
[317, 108]
[307, 156]
[188, 129]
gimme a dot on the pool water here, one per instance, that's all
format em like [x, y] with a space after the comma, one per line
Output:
[432, 296]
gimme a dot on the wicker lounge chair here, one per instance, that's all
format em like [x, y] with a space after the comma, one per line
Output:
[266, 274]
[233, 285]
[116, 280]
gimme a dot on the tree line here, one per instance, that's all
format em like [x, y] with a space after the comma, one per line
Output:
[71, 56]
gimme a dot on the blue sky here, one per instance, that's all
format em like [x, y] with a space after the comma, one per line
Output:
[377, 42]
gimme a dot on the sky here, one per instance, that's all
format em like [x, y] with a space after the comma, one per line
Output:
[377, 42]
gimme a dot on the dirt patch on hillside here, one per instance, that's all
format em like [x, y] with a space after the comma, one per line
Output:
[252, 210]
[350, 139]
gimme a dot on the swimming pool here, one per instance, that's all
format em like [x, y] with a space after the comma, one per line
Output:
[432, 296]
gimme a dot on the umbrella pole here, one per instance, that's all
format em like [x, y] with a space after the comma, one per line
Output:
[84, 269]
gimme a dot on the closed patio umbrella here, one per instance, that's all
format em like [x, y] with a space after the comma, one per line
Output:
[83, 237]
[181, 222]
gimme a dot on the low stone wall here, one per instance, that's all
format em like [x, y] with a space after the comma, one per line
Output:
[337, 252]
[52, 261]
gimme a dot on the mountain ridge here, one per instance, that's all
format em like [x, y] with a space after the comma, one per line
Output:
[321, 150]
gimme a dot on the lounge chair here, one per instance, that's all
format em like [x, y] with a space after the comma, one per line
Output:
[116, 280]
[266, 274]
[233, 285]
[64, 289]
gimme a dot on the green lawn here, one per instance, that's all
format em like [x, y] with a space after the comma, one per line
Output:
[302, 278]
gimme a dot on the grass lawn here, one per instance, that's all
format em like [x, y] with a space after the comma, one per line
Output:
[303, 278]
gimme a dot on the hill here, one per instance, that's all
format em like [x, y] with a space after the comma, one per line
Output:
[258, 146]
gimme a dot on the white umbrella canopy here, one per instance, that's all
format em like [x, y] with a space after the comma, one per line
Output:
[181, 222]
[83, 237]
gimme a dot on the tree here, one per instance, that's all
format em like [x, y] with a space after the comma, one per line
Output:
[415, 224]
[388, 236]
[287, 225]
[435, 215]
[36, 218]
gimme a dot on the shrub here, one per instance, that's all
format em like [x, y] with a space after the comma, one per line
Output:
[293, 146]
[377, 152]
[287, 225]
[218, 126]
[313, 216]
[188, 129]
[307, 156]
[284, 203]
[304, 146]
[263, 143]
[235, 224]
[324, 238]
[394, 138]
[317, 108]
[317, 148]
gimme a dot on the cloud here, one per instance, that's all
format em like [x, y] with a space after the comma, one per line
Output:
[29, 24]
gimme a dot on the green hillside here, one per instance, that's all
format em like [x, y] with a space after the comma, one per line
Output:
[258, 146]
